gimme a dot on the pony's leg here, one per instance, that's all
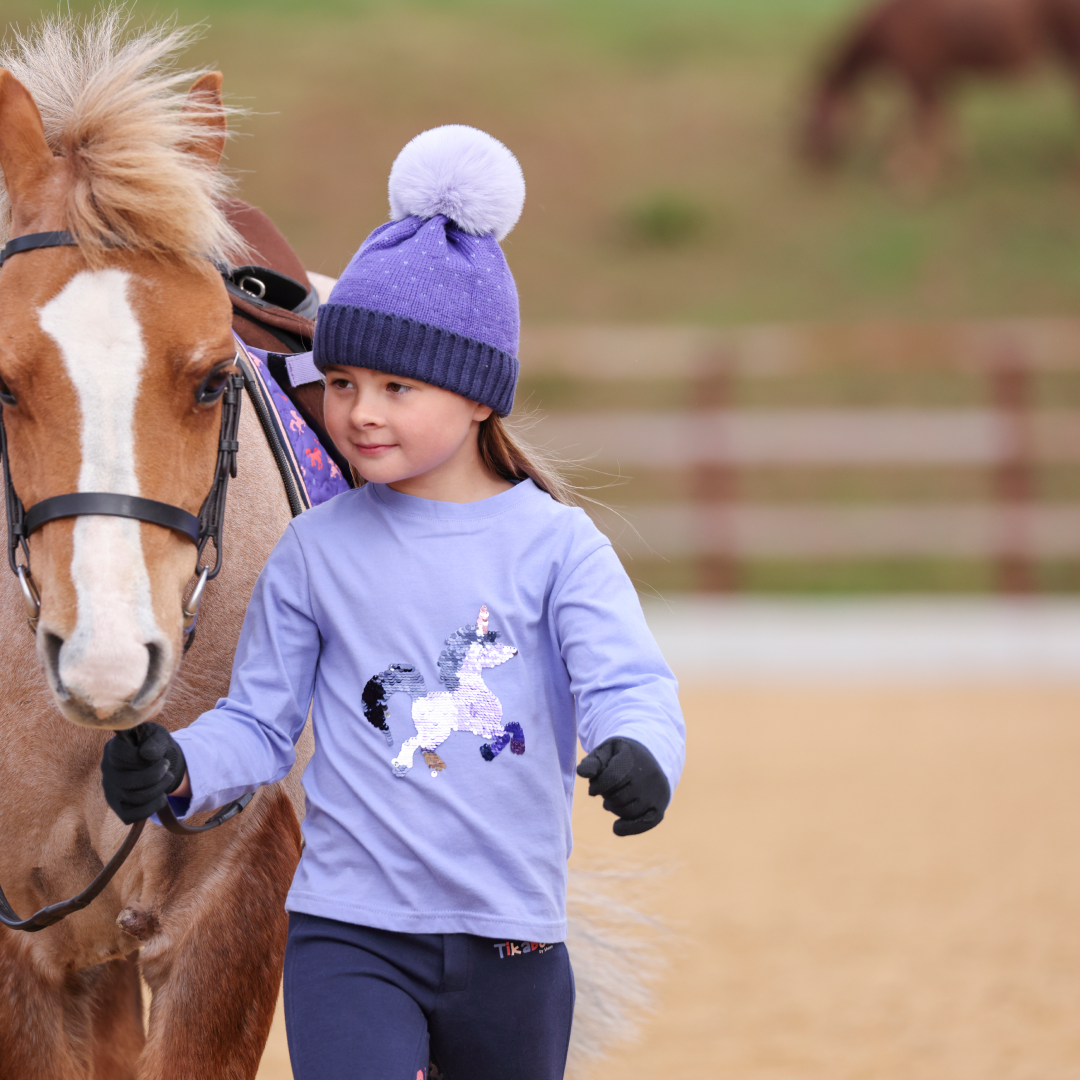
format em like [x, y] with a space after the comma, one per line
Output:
[118, 1036]
[216, 984]
[44, 1028]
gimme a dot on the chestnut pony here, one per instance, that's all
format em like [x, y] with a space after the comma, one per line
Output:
[112, 353]
[112, 356]
[927, 45]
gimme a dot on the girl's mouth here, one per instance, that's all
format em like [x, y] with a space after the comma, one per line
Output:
[373, 449]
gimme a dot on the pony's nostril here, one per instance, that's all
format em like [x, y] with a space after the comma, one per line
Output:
[153, 673]
[53, 645]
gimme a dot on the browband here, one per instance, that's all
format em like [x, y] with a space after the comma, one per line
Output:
[112, 505]
[60, 238]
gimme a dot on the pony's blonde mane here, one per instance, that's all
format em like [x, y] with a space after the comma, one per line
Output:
[113, 102]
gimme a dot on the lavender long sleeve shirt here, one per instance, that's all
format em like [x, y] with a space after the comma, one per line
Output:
[499, 633]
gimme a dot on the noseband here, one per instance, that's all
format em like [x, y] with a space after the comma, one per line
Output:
[200, 530]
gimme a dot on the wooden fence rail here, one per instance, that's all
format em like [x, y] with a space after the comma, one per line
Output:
[719, 432]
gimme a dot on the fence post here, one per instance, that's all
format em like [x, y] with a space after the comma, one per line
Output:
[713, 488]
[1014, 479]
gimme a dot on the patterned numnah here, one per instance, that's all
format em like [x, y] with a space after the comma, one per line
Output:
[316, 472]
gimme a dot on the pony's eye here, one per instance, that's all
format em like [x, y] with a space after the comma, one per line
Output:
[212, 387]
[6, 396]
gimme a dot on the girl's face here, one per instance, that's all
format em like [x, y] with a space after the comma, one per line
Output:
[418, 438]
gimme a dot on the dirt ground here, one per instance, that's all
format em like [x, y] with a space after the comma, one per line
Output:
[863, 883]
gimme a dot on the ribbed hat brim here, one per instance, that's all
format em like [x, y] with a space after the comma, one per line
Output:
[360, 337]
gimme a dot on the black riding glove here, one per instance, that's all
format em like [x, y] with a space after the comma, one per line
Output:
[137, 779]
[634, 787]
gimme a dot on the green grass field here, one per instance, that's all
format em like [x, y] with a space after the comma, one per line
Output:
[657, 142]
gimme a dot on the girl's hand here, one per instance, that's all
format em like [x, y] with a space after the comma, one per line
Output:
[632, 783]
[137, 780]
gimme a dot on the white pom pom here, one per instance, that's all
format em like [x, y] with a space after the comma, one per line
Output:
[463, 174]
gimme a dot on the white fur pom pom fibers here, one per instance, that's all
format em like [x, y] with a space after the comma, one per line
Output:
[463, 174]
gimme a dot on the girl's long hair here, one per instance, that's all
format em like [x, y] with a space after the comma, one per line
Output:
[509, 457]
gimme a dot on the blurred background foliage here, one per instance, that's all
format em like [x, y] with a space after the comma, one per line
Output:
[657, 140]
[659, 144]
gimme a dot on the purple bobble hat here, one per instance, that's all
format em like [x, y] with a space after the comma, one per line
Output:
[429, 295]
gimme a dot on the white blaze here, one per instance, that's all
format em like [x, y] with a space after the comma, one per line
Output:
[104, 661]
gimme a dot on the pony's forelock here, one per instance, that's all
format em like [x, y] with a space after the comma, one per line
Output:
[112, 102]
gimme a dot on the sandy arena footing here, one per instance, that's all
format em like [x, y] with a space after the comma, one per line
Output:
[869, 870]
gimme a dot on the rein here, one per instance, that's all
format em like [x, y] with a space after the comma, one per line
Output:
[200, 530]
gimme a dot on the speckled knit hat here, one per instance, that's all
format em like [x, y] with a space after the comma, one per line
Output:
[429, 295]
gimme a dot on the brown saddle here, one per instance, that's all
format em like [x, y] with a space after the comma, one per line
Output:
[259, 291]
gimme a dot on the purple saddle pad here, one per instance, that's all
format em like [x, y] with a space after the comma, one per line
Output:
[318, 472]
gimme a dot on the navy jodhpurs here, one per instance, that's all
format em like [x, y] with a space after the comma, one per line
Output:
[364, 1004]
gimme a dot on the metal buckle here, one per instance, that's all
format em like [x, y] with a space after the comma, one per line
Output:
[191, 608]
[31, 597]
[257, 288]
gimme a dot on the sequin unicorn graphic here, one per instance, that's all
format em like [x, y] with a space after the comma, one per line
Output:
[465, 705]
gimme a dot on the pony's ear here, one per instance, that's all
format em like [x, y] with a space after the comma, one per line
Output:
[205, 111]
[25, 156]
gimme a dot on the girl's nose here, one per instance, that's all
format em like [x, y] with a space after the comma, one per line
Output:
[363, 415]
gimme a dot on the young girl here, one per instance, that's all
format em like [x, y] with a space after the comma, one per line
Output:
[456, 627]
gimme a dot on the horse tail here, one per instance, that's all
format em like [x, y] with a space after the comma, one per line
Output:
[379, 688]
[374, 699]
[618, 951]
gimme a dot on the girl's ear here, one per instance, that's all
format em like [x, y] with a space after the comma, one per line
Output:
[482, 412]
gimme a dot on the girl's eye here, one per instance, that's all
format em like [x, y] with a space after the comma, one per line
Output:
[212, 387]
[340, 384]
[397, 388]
[6, 396]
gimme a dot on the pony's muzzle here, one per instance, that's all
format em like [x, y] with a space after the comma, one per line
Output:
[116, 686]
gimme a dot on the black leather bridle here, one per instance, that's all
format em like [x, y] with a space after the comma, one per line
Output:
[200, 530]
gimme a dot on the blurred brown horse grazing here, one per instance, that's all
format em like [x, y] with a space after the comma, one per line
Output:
[927, 45]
